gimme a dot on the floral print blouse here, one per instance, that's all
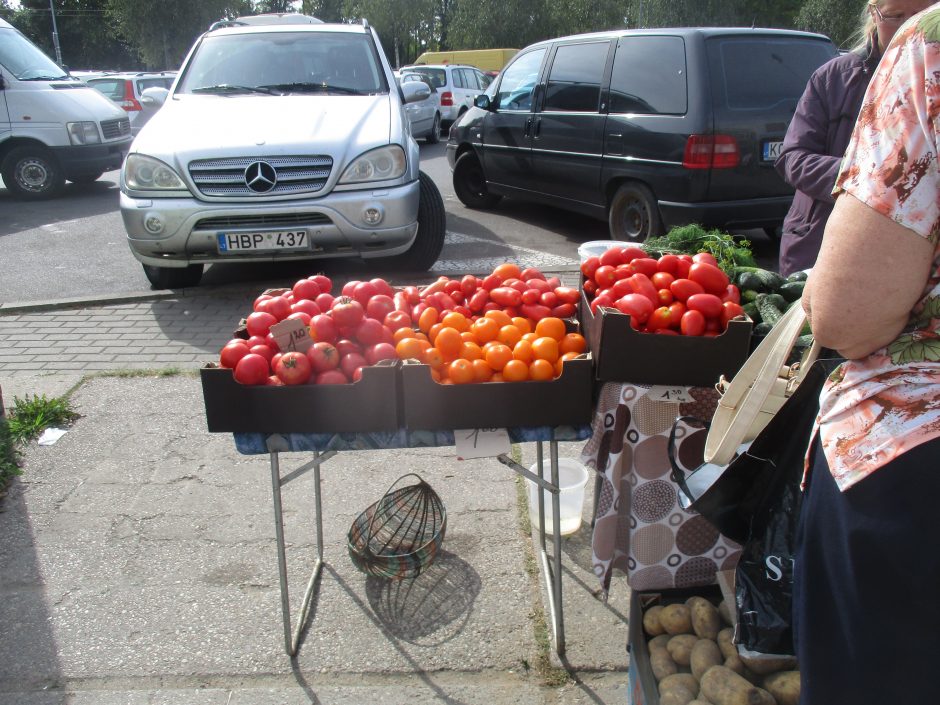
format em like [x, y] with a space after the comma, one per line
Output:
[874, 409]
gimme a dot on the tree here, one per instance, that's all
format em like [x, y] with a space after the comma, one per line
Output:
[833, 18]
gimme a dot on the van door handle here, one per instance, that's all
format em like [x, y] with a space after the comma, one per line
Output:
[528, 126]
[538, 126]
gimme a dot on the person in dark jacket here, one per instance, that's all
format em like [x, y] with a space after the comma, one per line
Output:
[822, 124]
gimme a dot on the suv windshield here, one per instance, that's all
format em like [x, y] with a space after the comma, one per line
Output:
[284, 62]
[436, 77]
[24, 60]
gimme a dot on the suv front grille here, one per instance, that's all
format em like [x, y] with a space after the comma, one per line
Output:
[276, 220]
[295, 175]
[112, 129]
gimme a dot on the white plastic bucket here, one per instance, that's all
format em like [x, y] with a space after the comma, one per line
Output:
[597, 247]
[572, 477]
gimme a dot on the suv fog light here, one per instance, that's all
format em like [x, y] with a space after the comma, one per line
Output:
[373, 215]
[153, 223]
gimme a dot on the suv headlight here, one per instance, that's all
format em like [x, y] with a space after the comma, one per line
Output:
[378, 165]
[83, 133]
[143, 173]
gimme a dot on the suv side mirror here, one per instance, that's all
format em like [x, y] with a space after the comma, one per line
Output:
[154, 97]
[482, 101]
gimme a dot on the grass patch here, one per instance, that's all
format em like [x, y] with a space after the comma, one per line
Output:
[28, 418]
[155, 372]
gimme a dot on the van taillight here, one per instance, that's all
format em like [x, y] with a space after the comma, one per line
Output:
[711, 152]
[447, 98]
[130, 102]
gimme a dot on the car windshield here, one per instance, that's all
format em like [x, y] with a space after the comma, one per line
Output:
[436, 77]
[25, 61]
[284, 62]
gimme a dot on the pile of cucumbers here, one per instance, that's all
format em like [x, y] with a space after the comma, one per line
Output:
[766, 295]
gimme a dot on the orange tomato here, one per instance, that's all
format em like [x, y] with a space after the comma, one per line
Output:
[507, 270]
[448, 341]
[501, 317]
[428, 318]
[482, 372]
[402, 334]
[460, 371]
[484, 329]
[523, 324]
[497, 377]
[434, 330]
[455, 319]
[523, 351]
[509, 335]
[561, 361]
[470, 351]
[516, 371]
[433, 358]
[546, 348]
[550, 327]
[498, 355]
[530, 336]
[467, 336]
[541, 370]
[410, 348]
[572, 342]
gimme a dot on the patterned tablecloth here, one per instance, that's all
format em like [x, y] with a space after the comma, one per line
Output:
[640, 529]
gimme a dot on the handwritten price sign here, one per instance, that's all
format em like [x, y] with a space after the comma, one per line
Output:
[291, 334]
[663, 392]
[481, 442]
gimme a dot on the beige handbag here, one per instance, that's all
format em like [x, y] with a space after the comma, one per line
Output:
[759, 388]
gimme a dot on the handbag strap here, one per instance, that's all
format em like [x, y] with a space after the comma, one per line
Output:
[677, 472]
[744, 397]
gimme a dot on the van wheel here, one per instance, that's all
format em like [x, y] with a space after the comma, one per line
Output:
[432, 225]
[173, 277]
[470, 183]
[634, 215]
[434, 136]
[86, 178]
[32, 173]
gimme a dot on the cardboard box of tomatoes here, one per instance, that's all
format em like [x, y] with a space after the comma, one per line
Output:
[370, 404]
[563, 401]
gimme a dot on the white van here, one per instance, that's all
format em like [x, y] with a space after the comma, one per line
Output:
[53, 127]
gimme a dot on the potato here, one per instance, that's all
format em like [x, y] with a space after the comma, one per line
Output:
[725, 643]
[662, 664]
[680, 648]
[727, 612]
[737, 665]
[784, 686]
[659, 641]
[676, 619]
[705, 654]
[651, 624]
[677, 695]
[722, 686]
[686, 680]
[705, 619]
[700, 702]
[762, 666]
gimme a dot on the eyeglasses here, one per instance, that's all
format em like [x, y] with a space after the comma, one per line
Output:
[895, 20]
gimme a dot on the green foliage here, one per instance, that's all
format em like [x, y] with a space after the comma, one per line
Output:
[9, 457]
[835, 18]
[689, 239]
[33, 414]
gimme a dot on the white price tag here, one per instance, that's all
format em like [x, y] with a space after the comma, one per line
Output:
[291, 334]
[664, 392]
[481, 442]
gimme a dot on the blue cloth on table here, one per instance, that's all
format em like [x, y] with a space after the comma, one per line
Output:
[256, 443]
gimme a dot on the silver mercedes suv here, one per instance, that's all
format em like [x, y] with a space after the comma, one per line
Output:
[283, 138]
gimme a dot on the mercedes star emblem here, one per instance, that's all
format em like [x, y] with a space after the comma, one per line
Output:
[260, 177]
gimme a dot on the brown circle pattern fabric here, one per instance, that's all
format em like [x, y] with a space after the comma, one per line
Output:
[640, 528]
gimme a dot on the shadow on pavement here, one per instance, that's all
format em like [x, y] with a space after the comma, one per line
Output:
[76, 201]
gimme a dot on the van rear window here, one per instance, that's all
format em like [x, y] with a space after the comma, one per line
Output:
[766, 73]
[649, 76]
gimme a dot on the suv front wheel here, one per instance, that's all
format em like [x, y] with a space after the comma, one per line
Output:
[470, 183]
[634, 215]
[432, 225]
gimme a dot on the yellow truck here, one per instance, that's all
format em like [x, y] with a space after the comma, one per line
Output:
[483, 59]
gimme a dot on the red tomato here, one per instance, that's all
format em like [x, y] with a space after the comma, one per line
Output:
[379, 306]
[345, 346]
[623, 271]
[382, 286]
[259, 323]
[540, 285]
[662, 280]
[323, 327]
[331, 377]
[306, 289]
[665, 297]
[631, 252]
[351, 362]
[605, 300]
[612, 257]
[506, 296]
[535, 311]
[369, 331]
[293, 368]
[323, 281]
[644, 265]
[397, 319]
[273, 381]
[567, 294]
[347, 312]
[712, 279]
[307, 306]
[257, 304]
[255, 340]
[668, 263]
[640, 284]
[478, 300]
[732, 293]
[706, 257]
[708, 304]
[531, 296]
[252, 369]
[380, 351]
[468, 284]
[678, 309]
[530, 273]
[363, 291]
[491, 281]
[682, 289]
[729, 310]
[451, 287]
[322, 357]
[635, 305]
[564, 311]
[590, 287]
[324, 301]
[549, 299]
[266, 351]
[232, 353]
[301, 315]
[682, 267]
[604, 276]
[692, 323]
[589, 266]
[660, 318]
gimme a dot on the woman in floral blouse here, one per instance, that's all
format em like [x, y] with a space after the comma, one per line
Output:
[867, 573]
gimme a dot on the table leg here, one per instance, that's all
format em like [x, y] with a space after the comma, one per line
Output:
[292, 638]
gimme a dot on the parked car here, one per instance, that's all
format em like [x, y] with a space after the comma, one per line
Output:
[52, 126]
[457, 85]
[647, 129]
[126, 89]
[283, 138]
[424, 116]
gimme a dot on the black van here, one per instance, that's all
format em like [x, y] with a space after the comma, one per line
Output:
[644, 128]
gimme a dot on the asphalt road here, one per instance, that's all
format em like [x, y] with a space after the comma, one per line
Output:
[74, 245]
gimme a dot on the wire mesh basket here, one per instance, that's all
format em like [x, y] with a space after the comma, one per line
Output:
[401, 534]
